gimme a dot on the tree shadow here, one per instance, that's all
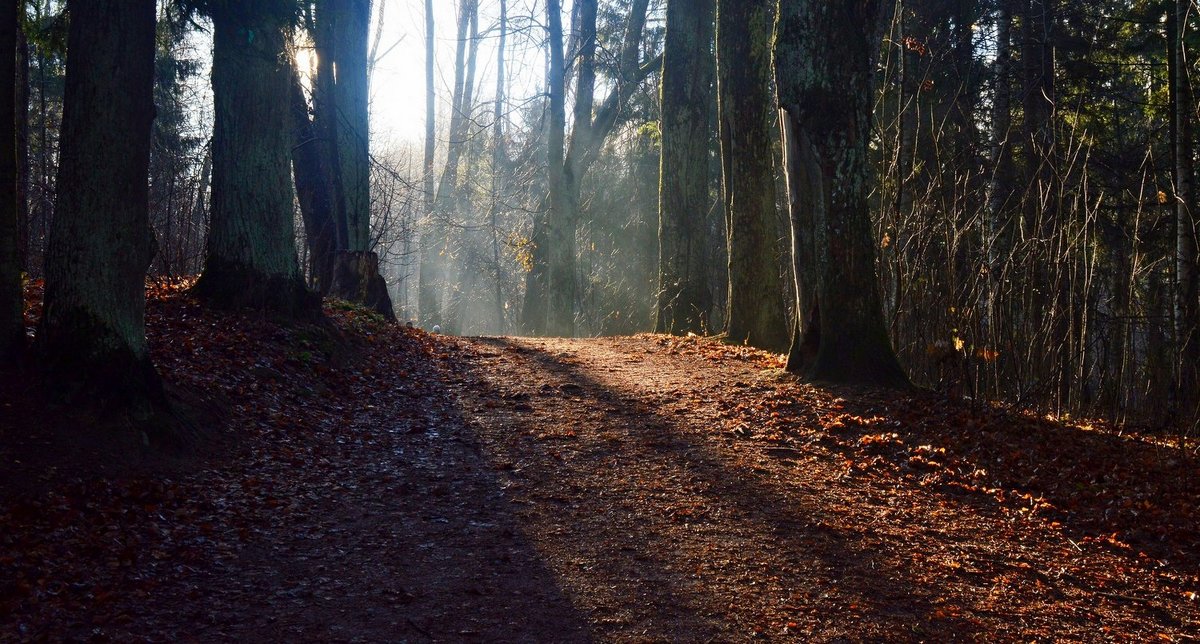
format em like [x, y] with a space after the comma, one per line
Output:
[828, 575]
[1125, 493]
[375, 518]
[433, 552]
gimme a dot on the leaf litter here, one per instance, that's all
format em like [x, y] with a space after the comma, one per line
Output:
[377, 483]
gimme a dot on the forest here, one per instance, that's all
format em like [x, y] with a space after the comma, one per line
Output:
[599, 320]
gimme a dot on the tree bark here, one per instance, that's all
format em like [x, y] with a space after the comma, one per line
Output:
[1038, 102]
[312, 191]
[499, 159]
[999, 191]
[12, 324]
[825, 57]
[756, 309]
[567, 170]
[251, 259]
[92, 339]
[1187, 283]
[342, 36]
[683, 296]
[22, 115]
[560, 246]
[428, 283]
[454, 195]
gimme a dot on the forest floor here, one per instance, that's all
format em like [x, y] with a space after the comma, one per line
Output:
[397, 486]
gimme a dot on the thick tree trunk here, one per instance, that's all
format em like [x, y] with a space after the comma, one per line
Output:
[456, 197]
[312, 191]
[565, 177]
[12, 325]
[343, 29]
[1042, 212]
[22, 115]
[825, 57]
[1187, 283]
[803, 186]
[92, 338]
[683, 296]
[429, 284]
[757, 315]
[560, 231]
[499, 159]
[1038, 98]
[251, 259]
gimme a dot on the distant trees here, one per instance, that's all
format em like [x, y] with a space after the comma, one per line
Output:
[825, 56]
[1006, 195]
[684, 299]
[550, 283]
[251, 259]
[91, 339]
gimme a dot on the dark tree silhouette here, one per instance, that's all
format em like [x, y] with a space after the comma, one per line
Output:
[92, 339]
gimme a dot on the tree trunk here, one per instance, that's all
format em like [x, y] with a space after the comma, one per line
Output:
[200, 209]
[435, 250]
[1187, 284]
[683, 296]
[756, 310]
[499, 158]
[1038, 94]
[12, 323]
[312, 191]
[803, 186]
[999, 191]
[825, 57]
[251, 259]
[22, 115]
[428, 283]
[560, 246]
[533, 309]
[342, 35]
[456, 197]
[92, 338]
[567, 170]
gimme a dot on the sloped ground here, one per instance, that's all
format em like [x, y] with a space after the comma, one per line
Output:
[393, 486]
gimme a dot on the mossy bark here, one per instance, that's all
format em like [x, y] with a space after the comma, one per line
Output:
[687, 79]
[825, 55]
[251, 259]
[757, 315]
[92, 340]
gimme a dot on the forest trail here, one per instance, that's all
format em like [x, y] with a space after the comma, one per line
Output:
[646, 488]
[669, 509]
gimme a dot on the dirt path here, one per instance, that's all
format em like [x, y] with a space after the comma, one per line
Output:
[664, 515]
[638, 489]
